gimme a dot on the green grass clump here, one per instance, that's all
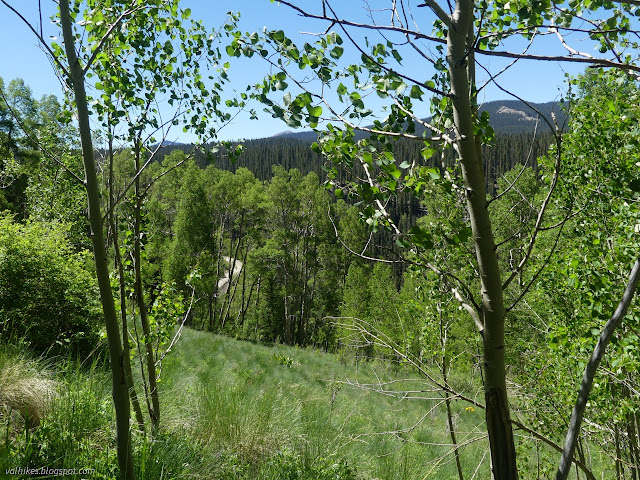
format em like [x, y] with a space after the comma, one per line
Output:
[26, 388]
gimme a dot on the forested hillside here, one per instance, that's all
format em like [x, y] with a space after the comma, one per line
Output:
[521, 136]
[449, 297]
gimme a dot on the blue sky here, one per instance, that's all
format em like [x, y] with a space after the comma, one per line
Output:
[22, 58]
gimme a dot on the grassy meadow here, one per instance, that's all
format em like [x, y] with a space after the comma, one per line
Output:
[236, 410]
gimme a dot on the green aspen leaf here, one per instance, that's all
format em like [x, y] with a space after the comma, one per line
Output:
[324, 74]
[337, 52]
[277, 35]
[334, 38]
[400, 88]
[416, 92]
[314, 111]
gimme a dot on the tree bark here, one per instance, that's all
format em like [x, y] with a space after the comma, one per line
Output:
[447, 398]
[120, 391]
[503, 453]
[154, 411]
[126, 353]
[633, 451]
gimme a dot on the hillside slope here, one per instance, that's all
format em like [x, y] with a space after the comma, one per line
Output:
[256, 400]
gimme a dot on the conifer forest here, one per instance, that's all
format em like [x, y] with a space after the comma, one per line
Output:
[424, 275]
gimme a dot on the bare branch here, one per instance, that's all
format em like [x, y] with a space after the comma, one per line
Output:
[443, 274]
[437, 9]
[603, 62]
[542, 267]
[178, 334]
[571, 50]
[470, 310]
[384, 67]
[524, 166]
[368, 329]
[359, 255]
[40, 13]
[41, 147]
[536, 228]
[494, 53]
[426, 125]
[39, 37]
[564, 220]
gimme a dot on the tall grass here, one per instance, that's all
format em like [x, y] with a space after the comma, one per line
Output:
[26, 388]
[256, 401]
[237, 410]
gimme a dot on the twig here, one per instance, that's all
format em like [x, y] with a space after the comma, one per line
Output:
[39, 37]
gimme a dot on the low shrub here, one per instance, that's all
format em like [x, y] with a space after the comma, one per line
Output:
[48, 296]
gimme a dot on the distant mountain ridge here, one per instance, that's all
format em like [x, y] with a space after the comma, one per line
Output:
[514, 116]
[505, 116]
[514, 122]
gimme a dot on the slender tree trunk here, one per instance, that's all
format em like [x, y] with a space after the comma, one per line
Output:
[502, 446]
[120, 391]
[258, 307]
[213, 300]
[154, 411]
[303, 297]
[312, 298]
[126, 352]
[233, 257]
[231, 293]
[619, 467]
[632, 434]
[634, 461]
[637, 440]
[447, 399]
[287, 320]
[247, 304]
[241, 312]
